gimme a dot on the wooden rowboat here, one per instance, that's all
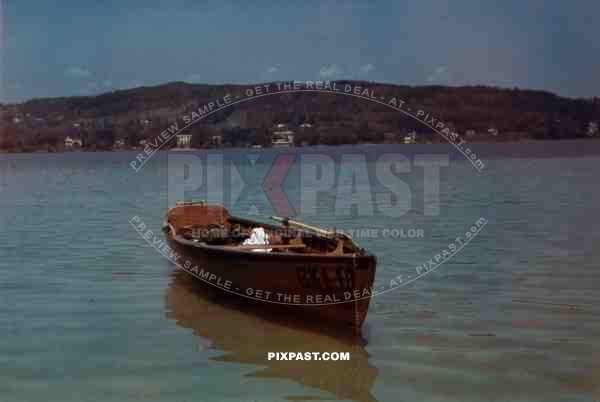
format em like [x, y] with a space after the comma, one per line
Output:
[307, 271]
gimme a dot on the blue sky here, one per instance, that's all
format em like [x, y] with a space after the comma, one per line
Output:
[88, 47]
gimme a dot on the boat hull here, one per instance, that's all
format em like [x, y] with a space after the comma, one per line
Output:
[328, 289]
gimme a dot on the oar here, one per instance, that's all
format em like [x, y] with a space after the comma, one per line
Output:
[314, 229]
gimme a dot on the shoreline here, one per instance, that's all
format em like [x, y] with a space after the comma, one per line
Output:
[482, 145]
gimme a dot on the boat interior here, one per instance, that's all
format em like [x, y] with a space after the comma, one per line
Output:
[212, 224]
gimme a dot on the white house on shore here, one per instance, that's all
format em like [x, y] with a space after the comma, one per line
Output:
[119, 143]
[216, 139]
[493, 131]
[592, 129]
[282, 136]
[184, 140]
[410, 138]
[71, 143]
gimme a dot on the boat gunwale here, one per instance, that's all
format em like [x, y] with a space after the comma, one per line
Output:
[232, 250]
[228, 249]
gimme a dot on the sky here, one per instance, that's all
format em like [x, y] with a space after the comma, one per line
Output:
[84, 47]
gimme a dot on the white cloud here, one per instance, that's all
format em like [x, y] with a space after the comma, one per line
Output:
[330, 71]
[90, 88]
[270, 72]
[194, 78]
[367, 68]
[439, 75]
[132, 84]
[78, 72]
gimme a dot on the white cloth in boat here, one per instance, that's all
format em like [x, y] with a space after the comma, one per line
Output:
[258, 236]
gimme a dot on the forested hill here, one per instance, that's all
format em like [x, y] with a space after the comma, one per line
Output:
[479, 112]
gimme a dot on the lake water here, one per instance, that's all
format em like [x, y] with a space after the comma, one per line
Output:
[89, 311]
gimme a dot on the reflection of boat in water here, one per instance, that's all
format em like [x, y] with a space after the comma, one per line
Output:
[248, 336]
